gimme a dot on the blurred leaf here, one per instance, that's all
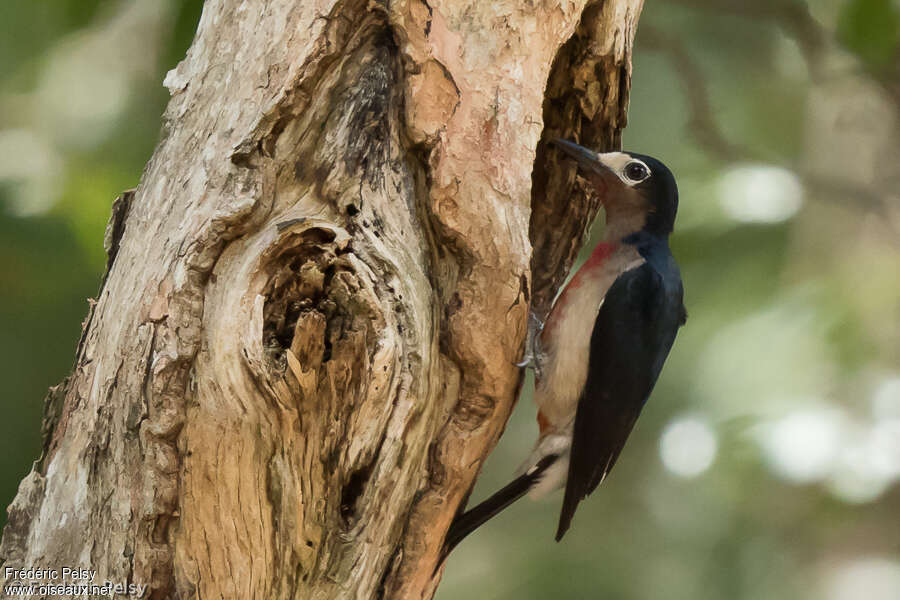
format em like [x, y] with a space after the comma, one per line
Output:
[187, 15]
[46, 283]
[870, 28]
[30, 27]
[85, 204]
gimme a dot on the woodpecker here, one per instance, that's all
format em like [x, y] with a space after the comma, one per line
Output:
[598, 356]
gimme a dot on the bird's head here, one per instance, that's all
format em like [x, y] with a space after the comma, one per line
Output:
[632, 187]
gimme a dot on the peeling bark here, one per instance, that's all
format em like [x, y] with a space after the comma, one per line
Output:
[304, 345]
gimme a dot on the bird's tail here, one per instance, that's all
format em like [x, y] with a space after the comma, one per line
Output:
[474, 518]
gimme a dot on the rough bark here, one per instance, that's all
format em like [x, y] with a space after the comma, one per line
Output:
[304, 347]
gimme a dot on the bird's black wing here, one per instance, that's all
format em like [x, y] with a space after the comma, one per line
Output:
[634, 330]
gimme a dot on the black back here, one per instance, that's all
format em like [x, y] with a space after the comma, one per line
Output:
[632, 336]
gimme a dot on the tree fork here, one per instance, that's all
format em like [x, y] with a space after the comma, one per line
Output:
[304, 346]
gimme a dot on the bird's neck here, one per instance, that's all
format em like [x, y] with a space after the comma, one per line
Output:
[622, 222]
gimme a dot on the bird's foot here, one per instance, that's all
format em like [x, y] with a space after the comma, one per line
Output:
[533, 354]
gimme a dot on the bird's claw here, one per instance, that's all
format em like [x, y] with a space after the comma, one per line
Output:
[532, 356]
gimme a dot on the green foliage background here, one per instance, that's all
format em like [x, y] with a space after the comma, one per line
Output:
[780, 119]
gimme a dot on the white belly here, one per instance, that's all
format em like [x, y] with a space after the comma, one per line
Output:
[566, 351]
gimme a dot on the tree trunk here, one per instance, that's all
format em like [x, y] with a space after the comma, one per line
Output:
[304, 346]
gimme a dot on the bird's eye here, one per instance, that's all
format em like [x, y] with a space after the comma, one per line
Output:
[636, 171]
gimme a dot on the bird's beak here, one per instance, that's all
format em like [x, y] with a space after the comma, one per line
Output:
[590, 164]
[587, 159]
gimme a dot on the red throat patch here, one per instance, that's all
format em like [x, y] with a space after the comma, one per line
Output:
[601, 253]
[543, 422]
